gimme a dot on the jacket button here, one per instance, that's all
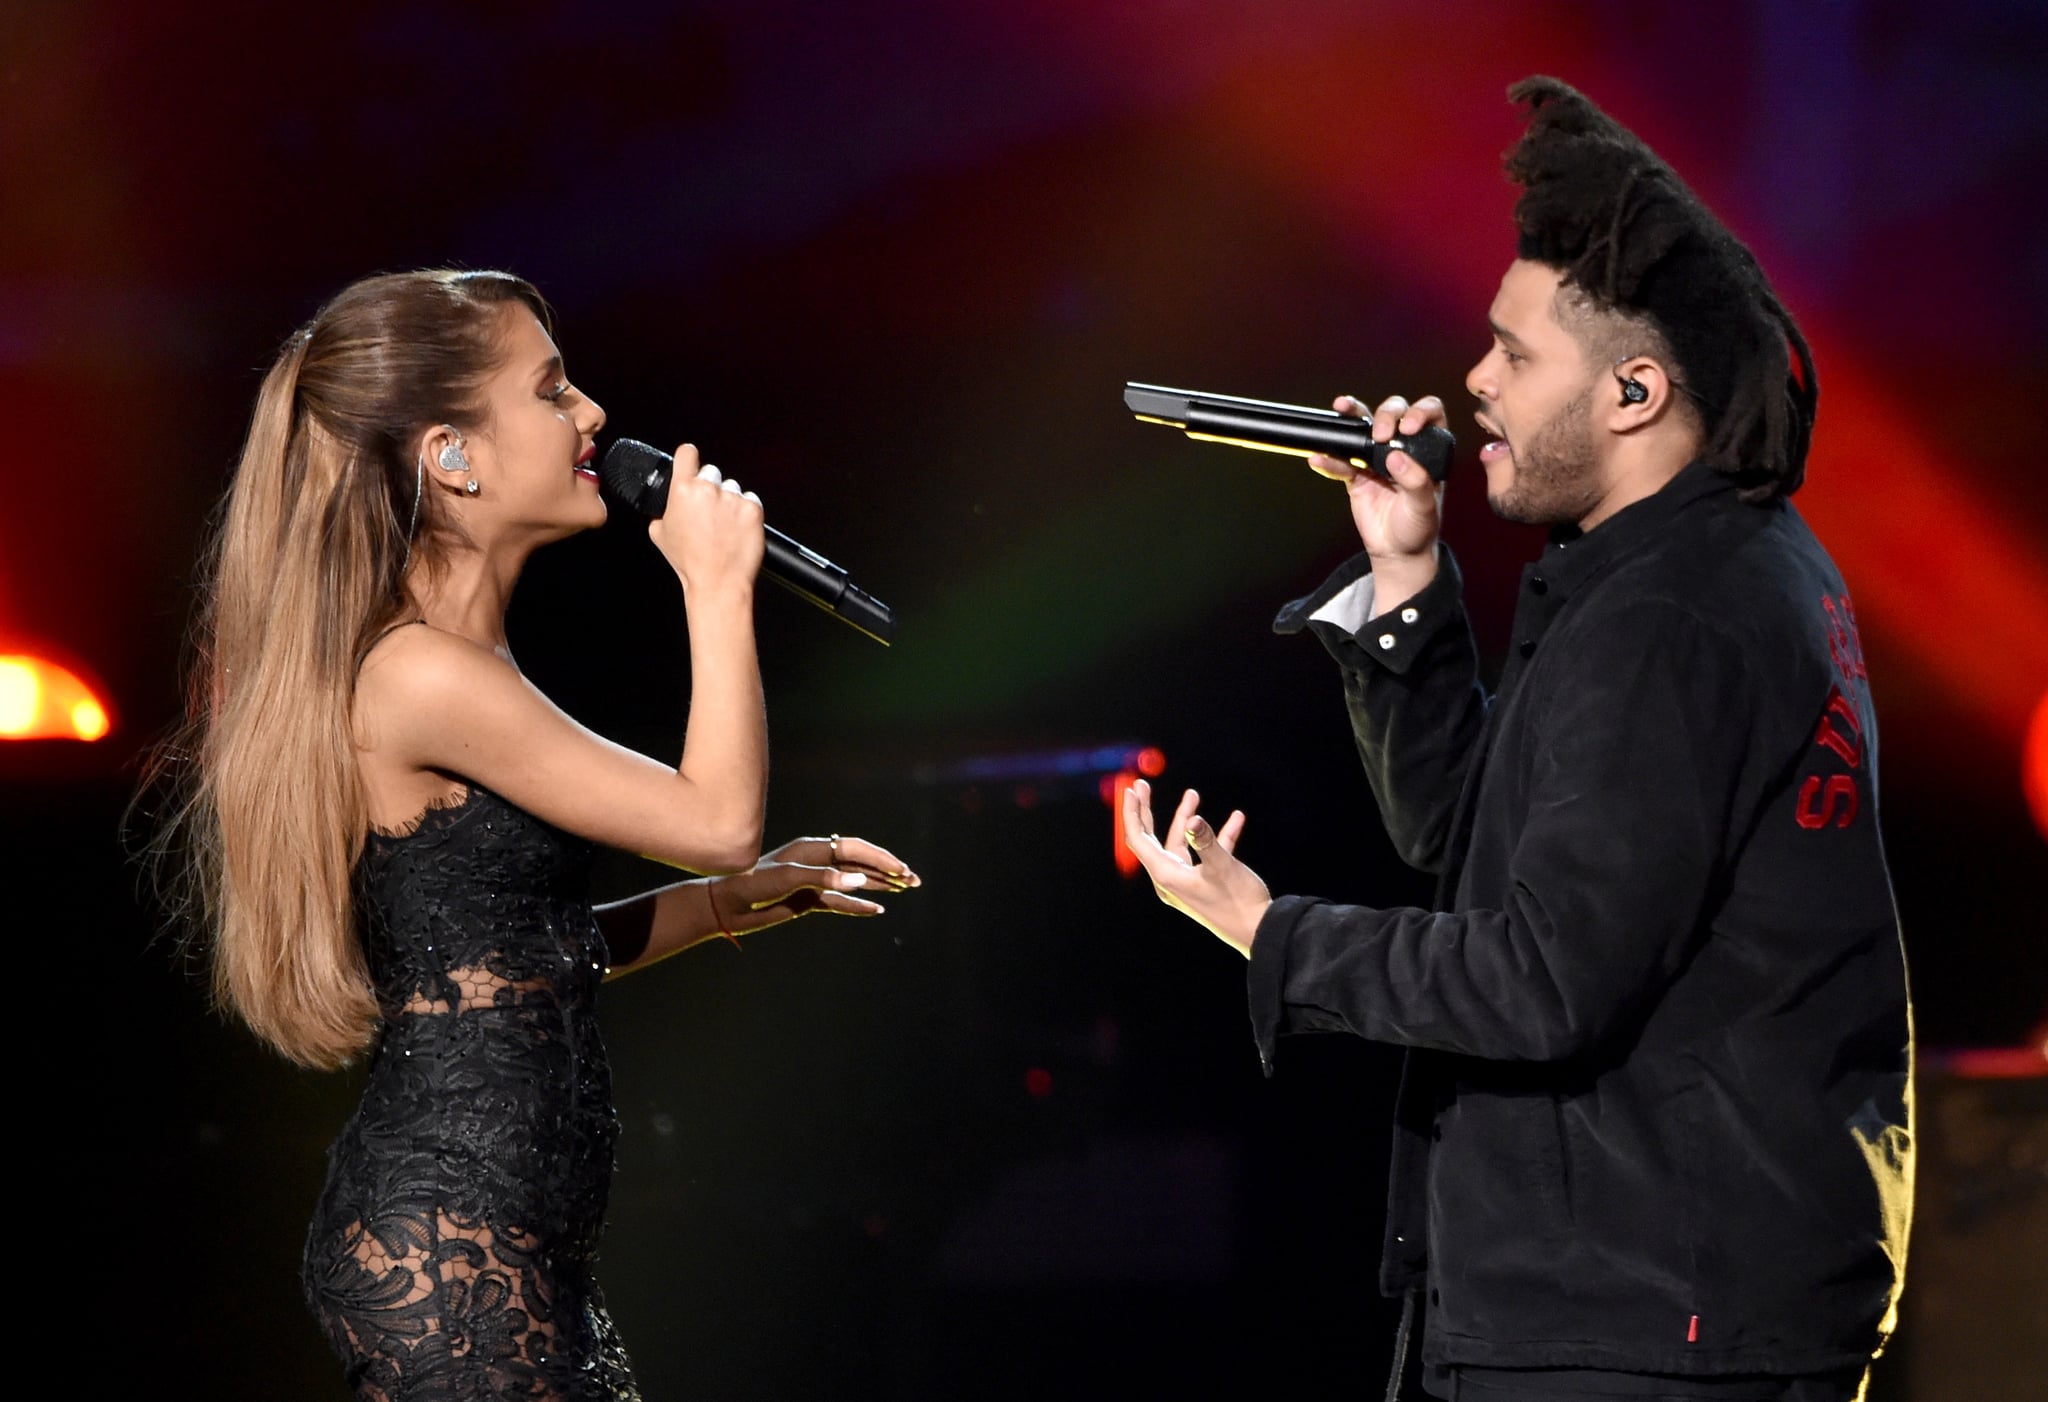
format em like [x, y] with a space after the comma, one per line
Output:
[1386, 641]
[1537, 585]
[1409, 615]
[1528, 648]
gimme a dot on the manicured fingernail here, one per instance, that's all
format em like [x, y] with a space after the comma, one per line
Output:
[853, 878]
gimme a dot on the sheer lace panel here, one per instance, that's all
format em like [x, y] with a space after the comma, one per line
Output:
[478, 988]
[430, 1305]
[433, 1289]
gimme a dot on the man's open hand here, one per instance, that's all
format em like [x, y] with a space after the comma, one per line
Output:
[1196, 870]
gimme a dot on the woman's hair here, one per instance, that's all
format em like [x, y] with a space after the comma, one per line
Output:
[1598, 205]
[306, 567]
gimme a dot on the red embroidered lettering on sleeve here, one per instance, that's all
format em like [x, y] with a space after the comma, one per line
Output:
[1849, 744]
[1833, 800]
[1838, 790]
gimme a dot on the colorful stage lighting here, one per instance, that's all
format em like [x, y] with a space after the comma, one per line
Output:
[40, 700]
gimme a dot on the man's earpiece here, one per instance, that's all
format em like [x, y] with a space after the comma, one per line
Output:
[1632, 391]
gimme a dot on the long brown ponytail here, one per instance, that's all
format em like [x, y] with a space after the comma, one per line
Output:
[306, 566]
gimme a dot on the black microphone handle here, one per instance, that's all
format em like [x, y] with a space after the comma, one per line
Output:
[810, 576]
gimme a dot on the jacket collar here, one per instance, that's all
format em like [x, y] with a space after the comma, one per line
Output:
[1574, 556]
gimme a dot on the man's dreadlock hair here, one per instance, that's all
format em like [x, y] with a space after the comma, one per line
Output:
[1599, 206]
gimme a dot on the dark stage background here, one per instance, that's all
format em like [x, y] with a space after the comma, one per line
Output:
[890, 264]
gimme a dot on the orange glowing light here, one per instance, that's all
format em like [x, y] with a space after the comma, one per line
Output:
[1151, 761]
[2034, 765]
[40, 700]
[1117, 785]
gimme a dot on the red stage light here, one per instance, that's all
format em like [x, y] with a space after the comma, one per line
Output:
[2034, 765]
[40, 700]
[1151, 761]
[1038, 1083]
[1116, 785]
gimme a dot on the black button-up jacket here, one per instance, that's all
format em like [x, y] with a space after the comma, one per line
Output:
[1656, 1117]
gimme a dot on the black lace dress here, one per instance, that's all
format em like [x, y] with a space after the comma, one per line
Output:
[450, 1256]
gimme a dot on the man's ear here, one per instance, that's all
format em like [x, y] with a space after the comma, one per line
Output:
[1643, 394]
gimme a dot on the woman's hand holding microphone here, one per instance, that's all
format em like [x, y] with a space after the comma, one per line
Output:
[711, 532]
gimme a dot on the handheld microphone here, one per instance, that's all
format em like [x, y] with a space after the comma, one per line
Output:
[1286, 428]
[639, 475]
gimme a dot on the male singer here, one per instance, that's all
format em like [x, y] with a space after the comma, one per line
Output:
[1654, 1135]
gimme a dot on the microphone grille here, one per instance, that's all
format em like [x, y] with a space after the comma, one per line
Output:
[637, 475]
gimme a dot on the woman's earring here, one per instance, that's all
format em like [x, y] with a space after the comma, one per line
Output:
[471, 487]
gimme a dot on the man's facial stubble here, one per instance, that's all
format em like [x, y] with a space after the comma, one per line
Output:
[1555, 479]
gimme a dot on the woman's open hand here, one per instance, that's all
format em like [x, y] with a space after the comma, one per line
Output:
[836, 875]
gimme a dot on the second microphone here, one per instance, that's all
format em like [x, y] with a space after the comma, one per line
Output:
[638, 475]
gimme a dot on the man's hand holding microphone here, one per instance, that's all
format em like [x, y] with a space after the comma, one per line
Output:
[1398, 516]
